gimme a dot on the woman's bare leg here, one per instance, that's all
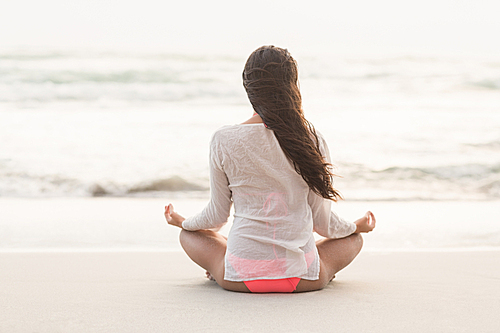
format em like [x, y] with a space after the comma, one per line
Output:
[334, 254]
[207, 273]
[208, 248]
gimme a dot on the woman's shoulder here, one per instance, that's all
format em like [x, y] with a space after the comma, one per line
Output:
[229, 132]
[224, 130]
[221, 134]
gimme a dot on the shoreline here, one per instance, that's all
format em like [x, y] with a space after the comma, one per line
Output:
[138, 224]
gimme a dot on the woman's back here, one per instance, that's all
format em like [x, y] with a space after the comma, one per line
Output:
[258, 171]
[271, 234]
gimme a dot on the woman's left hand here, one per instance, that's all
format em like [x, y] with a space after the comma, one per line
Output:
[366, 223]
[172, 217]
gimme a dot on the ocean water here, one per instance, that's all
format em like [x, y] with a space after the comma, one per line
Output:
[83, 124]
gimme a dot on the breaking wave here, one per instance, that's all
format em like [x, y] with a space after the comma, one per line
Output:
[472, 181]
[26, 185]
[487, 84]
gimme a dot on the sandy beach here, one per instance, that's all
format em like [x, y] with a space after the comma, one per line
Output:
[165, 292]
[113, 265]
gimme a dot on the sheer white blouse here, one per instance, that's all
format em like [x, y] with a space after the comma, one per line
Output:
[275, 212]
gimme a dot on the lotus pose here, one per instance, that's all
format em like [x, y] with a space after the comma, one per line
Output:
[276, 169]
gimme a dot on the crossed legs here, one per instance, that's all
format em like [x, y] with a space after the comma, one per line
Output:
[334, 255]
[208, 248]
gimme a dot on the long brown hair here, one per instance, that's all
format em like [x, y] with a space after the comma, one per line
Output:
[270, 79]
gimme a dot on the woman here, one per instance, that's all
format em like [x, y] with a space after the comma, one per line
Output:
[276, 169]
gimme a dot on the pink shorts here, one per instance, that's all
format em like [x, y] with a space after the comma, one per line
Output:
[273, 286]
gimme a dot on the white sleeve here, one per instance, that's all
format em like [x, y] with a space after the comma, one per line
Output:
[326, 222]
[216, 213]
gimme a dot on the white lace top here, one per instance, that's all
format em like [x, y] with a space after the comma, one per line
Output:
[275, 212]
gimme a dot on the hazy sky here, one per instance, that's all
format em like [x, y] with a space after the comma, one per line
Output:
[356, 26]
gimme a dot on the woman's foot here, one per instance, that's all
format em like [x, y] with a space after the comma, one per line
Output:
[209, 276]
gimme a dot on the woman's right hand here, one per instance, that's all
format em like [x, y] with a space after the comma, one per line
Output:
[366, 223]
[172, 217]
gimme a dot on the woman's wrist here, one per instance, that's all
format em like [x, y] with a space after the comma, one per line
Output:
[178, 220]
